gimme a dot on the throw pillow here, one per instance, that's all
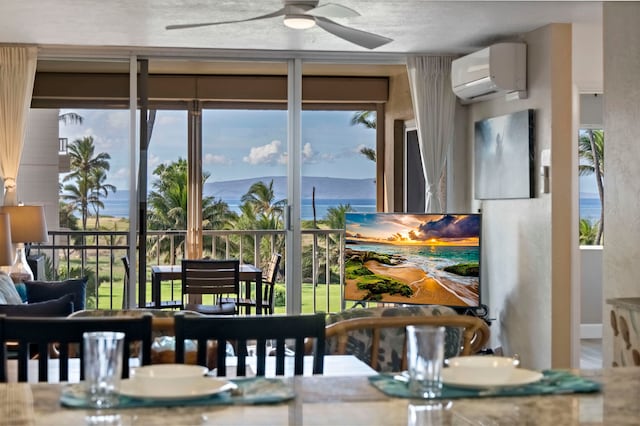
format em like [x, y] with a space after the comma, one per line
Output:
[22, 291]
[40, 291]
[8, 290]
[60, 307]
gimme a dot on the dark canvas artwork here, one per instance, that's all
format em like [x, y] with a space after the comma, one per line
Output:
[504, 156]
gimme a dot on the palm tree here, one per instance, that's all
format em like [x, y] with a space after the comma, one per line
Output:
[368, 120]
[588, 232]
[335, 216]
[99, 188]
[364, 118]
[84, 163]
[591, 152]
[262, 197]
[70, 118]
[168, 203]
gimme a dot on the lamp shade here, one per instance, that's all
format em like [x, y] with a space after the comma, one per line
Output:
[28, 224]
[6, 249]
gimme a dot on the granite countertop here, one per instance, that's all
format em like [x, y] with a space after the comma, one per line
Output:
[349, 400]
[632, 303]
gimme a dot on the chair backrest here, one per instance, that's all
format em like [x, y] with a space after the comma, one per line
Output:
[206, 276]
[373, 338]
[125, 289]
[28, 332]
[269, 281]
[277, 329]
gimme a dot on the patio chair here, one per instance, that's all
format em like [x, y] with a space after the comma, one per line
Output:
[377, 335]
[218, 278]
[261, 329]
[66, 333]
[125, 287]
[268, 287]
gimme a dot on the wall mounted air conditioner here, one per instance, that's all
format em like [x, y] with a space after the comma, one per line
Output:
[500, 69]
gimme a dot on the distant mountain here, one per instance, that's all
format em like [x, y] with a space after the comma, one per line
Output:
[326, 187]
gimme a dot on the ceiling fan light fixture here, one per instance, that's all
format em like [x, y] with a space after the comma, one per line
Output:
[299, 22]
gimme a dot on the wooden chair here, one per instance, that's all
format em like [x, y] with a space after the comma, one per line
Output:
[66, 333]
[125, 287]
[269, 277]
[218, 278]
[342, 336]
[242, 329]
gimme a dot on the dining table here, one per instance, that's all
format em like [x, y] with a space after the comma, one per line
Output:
[347, 400]
[248, 273]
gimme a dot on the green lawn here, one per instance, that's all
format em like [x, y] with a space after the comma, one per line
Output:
[111, 297]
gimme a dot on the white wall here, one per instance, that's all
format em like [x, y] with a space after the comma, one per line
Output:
[587, 57]
[621, 34]
[527, 243]
[38, 173]
[591, 287]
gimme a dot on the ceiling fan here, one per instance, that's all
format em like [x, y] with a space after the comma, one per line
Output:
[303, 14]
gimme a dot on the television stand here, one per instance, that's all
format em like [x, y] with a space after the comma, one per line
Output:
[481, 312]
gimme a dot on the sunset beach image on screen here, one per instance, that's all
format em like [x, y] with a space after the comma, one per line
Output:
[423, 259]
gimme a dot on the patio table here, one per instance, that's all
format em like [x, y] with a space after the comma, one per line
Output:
[248, 273]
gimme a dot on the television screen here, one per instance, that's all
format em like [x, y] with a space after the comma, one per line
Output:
[413, 258]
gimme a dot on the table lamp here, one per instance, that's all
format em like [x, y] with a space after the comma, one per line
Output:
[6, 249]
[28, 225]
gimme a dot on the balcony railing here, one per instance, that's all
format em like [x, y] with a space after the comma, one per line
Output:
[97, 255]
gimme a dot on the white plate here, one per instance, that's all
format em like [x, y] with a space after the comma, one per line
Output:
[198, 387]
[519, 377]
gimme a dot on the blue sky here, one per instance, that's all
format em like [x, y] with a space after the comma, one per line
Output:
[237, 144]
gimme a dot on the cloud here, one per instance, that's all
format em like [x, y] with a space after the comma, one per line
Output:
[166, 119]
[265, 154]
[449, 226]
[117, 120]
[153, 161]
[122, 173]
[211, 159]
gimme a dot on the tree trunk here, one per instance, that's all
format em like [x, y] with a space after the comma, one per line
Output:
[597, 170]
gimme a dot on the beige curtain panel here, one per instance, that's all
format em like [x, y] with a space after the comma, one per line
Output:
[17, 72]
[434, 105]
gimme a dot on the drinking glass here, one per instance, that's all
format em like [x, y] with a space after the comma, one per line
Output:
[103, 367]
[429, 413]
[425, 357]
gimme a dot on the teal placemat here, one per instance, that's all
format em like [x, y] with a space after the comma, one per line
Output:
[255, 390]
[553, 382]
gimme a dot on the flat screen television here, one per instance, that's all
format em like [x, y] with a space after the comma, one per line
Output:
[425, 259]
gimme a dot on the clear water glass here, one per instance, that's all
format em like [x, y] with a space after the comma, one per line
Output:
[425, 358]
[103, 367]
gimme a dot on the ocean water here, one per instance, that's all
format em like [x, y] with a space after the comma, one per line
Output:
[426, 257]
[118, 207]
[590, 209]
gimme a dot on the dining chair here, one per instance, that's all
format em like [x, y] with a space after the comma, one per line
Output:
[380, 339]
[268, 287]
[219, 278]
[276, 328]
[66, 333]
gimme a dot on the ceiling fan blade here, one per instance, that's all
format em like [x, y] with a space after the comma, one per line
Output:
[359, 37]
[279, 12]
[333, 10]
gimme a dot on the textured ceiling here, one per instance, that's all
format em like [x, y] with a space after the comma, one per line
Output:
[416, 26]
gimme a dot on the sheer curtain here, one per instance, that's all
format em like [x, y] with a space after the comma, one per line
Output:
[434, 107]
[17, 72]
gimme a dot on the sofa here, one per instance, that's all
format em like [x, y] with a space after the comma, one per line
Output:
[41, 298]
